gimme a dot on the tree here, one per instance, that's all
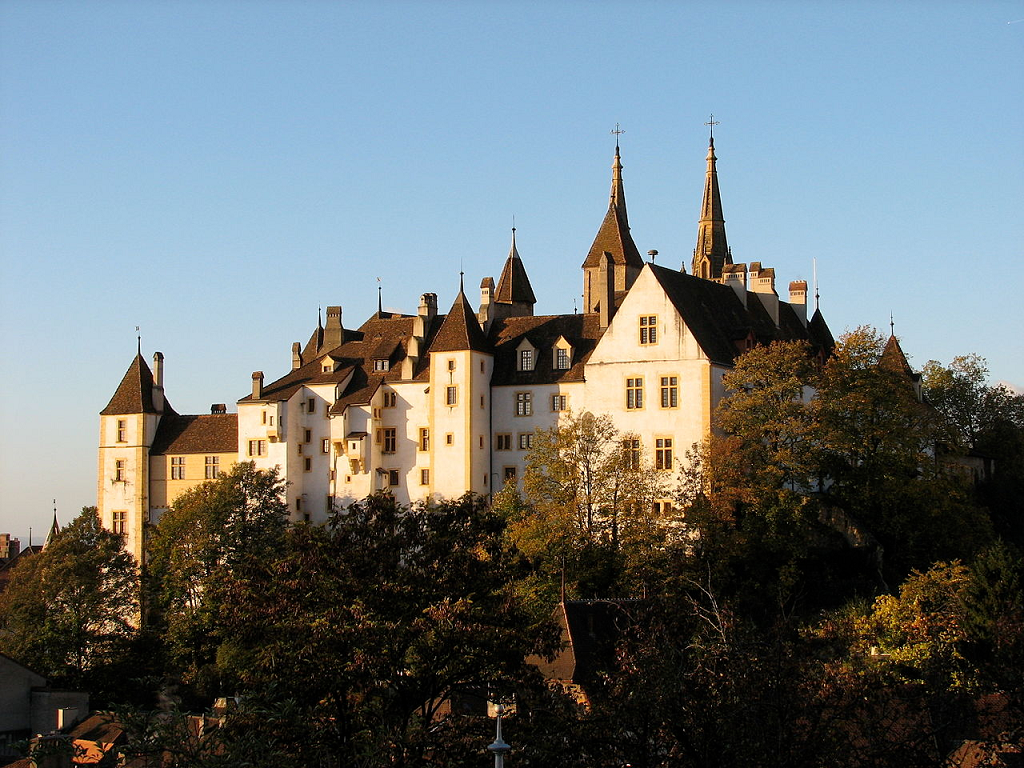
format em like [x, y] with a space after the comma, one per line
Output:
[70, 611]
[588, 493]
[209, 532]
[373, 624]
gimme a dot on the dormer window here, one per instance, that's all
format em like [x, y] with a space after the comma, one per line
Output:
[382, 364]
[561, 359]
[526, 356]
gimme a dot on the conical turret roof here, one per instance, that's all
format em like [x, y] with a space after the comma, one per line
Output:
[514, 284]
[460, 329]
[135, 392]
[613, 237]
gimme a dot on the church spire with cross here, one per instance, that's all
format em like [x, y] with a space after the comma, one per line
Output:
[613, 238]
[712, 252]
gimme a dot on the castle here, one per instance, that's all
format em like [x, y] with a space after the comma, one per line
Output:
[437, 404]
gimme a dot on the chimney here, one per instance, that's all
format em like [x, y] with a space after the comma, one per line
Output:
[219, 409]
[333, 332]
[735, 276]
[486, 301]
[798, 299]
[296, 355]
[428, 305]
[257, 385]
[158, 381]
[762, 282]
[606, 284]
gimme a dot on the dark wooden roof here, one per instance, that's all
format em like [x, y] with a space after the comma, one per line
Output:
[514, 284]
[460, 330]
[135, 392]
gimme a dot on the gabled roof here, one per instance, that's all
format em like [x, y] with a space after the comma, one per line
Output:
[460, 330]
[514, 285]
[613, 236]
[581, 331]
[135, 392]
[359, 391]
[713, 312]
[207, 433]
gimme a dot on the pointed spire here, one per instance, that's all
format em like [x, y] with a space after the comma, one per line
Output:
[54, 528]
[712, 251]
[460, 329]
[514, 284]
[893, 359]
[614, 239]
[135, 392]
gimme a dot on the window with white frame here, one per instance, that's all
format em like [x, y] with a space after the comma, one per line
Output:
[212, 467]
[120, 522]
[257, 447]
[177, 467]
[526, 359]
[525, 441]
[561, 359]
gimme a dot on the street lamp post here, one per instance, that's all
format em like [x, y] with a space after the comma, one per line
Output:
[499, 747]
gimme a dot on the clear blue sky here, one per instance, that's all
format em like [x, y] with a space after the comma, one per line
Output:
[214, 171]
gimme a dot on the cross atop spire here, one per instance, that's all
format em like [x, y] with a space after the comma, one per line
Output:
[711, 122]
[618, 132]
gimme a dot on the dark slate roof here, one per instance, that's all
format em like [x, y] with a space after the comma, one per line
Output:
[821, 336]
[208, 433]
[135, 392]
[893, 358]
[460, 330]
[359, 391]
[613, 237]
[713, 313]
[514, 284]
[581, 331]
[591, 631]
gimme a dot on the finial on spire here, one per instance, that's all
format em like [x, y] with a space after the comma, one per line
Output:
[711, 123]
[462, 286]
[892, 325]
[815, 263]
[380, 301]
[618, 132]
[319, 316]
[138, 337]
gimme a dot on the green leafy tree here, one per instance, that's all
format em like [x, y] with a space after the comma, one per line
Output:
[209, 532]
[376, 623]
[70, 611]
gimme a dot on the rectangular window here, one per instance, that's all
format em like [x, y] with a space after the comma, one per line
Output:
[311, 405]
[120, 522]
[449, 439]
[635, 393]
[526, 441]
[669, 392]
[561, 359]
[663, 453]
[177, 467]
[451, 365]
[525, 359]
[390, 439]
[509, 473]
[424, 477]
[257, 447]
[122, 430]
[119, 471]
[212, 467]
[649, 329]
[424, 439]
[524, 403]
[663, 508]
[451, 396]
[503, 442]
[559, 402]
[631, 452]
[325, 445]
[381, 364]
[307, 435]
[392, 477]
[390, 399]
[307, 464]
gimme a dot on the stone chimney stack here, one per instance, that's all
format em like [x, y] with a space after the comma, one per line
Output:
[219, 409]
[333, 332]
[158, 381]
[606, 284]
[257, 385]
[735, 276]
[296, 355]
[486, 301]
[798, 299]
[762, 282]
